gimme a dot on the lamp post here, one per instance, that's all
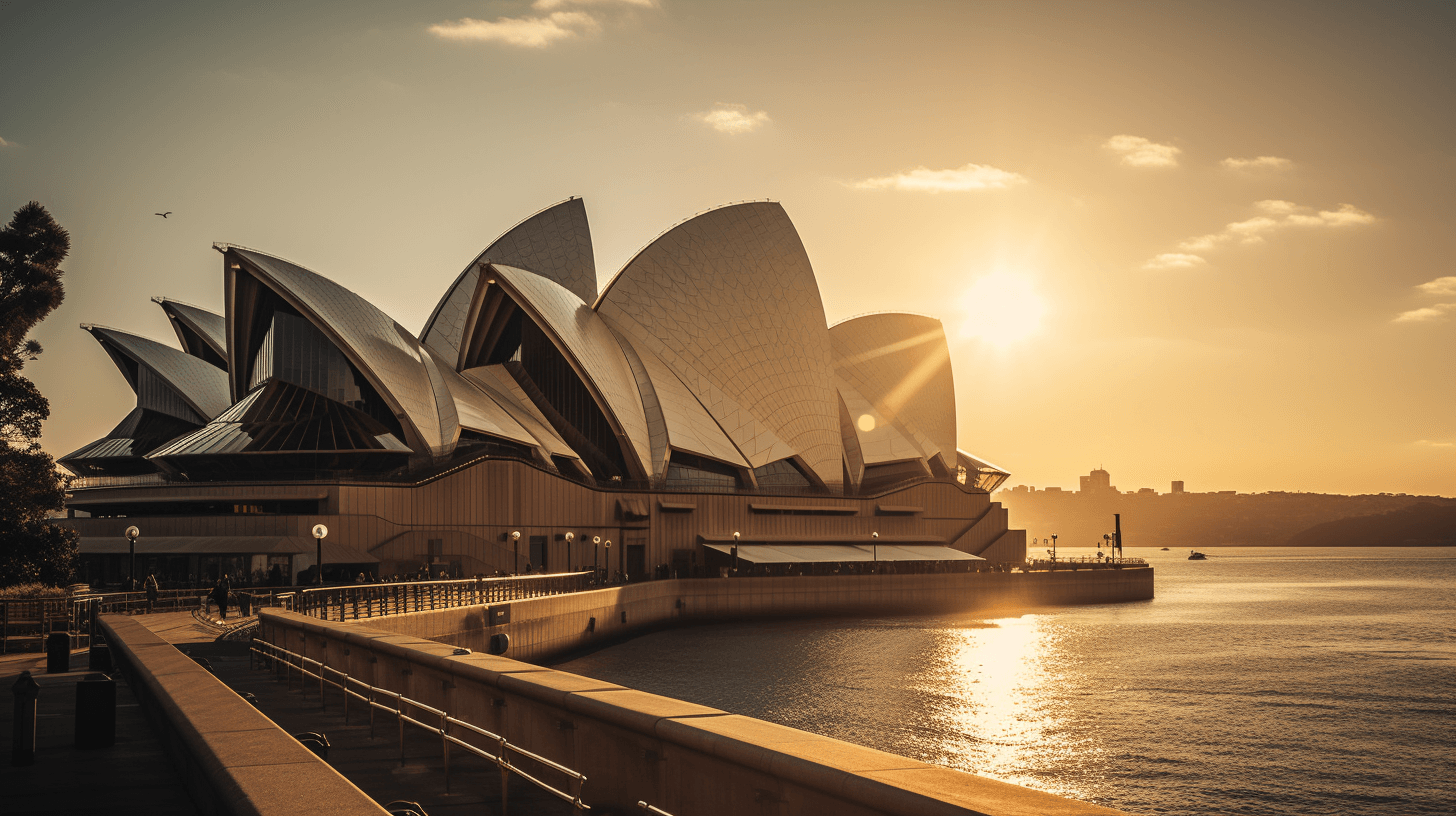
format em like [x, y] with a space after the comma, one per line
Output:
[875, 548]
[131, 537]
[596, 555]
[515, 551]
[1054, 546]
[608, 544]
[735, 551]
[569, 537]
[319, 532]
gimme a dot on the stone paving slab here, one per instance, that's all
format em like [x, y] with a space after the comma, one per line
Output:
[131, 777]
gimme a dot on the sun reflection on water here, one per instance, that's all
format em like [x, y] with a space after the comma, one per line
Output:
[991, 680]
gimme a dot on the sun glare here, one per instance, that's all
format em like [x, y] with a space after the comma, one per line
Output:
[1001, 308]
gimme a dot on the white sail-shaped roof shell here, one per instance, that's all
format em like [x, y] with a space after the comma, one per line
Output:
[898, 365]
[728, 301]
[201, 385]
[392, 360]
[588, 344]
[555, 243]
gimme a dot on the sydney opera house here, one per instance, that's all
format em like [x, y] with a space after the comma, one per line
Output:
[700, 401]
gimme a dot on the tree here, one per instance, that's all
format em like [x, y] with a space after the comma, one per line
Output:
[32, 247]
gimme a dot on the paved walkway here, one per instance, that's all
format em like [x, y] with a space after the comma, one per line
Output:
[183, 627]
[373, 764]
[131, 777]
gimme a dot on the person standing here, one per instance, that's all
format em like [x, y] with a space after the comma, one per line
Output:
[150, 585]
[219, 597]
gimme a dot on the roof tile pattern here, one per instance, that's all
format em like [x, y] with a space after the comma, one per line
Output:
[728, 301]
[554, 243]
[588, 342]
[687, 424]
[202, 386]
[384, 351]
[900, 363]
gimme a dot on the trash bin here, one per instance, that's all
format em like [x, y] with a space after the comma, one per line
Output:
[96, 712]
[58, 653]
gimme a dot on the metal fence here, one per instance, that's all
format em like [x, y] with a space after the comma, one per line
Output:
[373, 600]
[1085, 562]
[495, 749]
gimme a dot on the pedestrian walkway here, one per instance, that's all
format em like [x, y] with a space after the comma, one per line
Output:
[131, 777]
[374, 763]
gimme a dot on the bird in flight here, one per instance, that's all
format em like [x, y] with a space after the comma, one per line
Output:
[165, 214]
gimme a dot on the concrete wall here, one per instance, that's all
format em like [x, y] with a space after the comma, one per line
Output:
[541, 629]
[684, 758]
[233, 759]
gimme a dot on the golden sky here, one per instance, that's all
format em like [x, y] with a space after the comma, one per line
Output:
[1209, 242]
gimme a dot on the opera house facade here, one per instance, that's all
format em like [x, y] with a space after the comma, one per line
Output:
[697, 409]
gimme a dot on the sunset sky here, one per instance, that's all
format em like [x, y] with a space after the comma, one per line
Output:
[1209, 242]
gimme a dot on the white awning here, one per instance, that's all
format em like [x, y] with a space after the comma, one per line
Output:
[834, 553]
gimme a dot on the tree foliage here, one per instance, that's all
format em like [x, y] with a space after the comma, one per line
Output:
[32, 247]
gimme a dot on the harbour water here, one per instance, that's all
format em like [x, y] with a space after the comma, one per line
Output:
[1260, 681]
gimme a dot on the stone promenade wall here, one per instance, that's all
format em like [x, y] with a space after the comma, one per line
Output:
[233, 759]
[687, 759]
[542, 629]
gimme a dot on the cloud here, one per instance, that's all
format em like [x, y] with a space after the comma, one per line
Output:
[525, 32]
[1139, 152]
[1174, 260]
[538, 31]
[548, 5]
[958, 180]
[1425, 313]
[1258, 163]
[733, 119]
[1440, 287]
[1277, 215]
[1435, 444]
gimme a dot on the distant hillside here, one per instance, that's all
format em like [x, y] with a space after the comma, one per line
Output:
[1202, 520]
[1421, 524]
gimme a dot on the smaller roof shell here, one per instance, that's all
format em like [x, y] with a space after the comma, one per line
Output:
[202, 386]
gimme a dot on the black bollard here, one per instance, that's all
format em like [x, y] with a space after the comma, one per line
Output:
[58, 653]
[26, 692]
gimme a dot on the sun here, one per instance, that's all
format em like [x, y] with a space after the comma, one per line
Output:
[1001, 308]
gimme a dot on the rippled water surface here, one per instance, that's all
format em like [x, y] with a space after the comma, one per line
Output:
[1264, 680]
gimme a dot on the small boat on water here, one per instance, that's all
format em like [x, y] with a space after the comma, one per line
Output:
[1165, 549]
[1195, 555]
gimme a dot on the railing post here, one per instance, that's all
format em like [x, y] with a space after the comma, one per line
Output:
[505, 772]
[445, 746]
[399, 715]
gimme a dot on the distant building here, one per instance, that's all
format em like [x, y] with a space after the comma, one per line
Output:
[1177, 487]
[1098, 481]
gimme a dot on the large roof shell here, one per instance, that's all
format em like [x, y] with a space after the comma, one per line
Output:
[392, 360]
[588, 344]
[504, 391]
[201, 385]
[900, 364]
[555, 243]
[728, 301]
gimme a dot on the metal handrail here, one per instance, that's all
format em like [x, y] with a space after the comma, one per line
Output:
[347, 684]
[357, 601]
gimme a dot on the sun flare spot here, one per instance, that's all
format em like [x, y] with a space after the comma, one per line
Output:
[1001, 308]
[866, 423]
